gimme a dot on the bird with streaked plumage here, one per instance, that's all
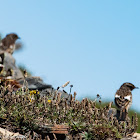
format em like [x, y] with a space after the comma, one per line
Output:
[123, 100]
[8, 43]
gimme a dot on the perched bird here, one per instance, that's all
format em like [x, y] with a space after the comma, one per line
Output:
[8, 43]
[123, 100]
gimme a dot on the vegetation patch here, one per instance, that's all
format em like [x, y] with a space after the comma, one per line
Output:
[25, 111]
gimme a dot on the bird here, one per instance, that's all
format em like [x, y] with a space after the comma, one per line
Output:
[123, 100]
[8, 43]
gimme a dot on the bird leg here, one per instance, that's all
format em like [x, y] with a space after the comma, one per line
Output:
[120, 117]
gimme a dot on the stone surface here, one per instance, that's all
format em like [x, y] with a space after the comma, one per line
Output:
[10, 135]
[112, 111]
[34, 83]
[9, 63]
[137, 136]
[131, 138]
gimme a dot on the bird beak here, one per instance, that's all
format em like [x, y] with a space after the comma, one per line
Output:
[19, 38]
[136, 87]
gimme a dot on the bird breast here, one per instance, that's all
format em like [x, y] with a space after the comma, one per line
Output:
[128, 97]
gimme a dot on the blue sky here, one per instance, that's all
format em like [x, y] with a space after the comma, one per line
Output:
[93, 44]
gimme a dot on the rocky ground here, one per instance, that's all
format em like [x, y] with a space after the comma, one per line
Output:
[34, 83]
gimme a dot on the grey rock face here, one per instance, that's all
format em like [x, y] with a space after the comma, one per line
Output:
[35, 83]
[9, 63]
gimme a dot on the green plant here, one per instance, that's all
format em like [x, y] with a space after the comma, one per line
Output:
[27, 111]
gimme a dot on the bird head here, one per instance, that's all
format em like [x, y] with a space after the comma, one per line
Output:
[12, 36]
[130, 86]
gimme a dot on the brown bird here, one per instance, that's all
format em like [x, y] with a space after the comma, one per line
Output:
[123, 100]
[8, 43]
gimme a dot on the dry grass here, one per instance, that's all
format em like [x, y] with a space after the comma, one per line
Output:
[24, 111]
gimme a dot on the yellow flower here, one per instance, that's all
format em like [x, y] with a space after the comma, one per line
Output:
[49, 101]
[33, 92]
[30, 100]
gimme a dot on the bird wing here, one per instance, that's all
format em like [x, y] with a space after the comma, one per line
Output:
[4, 44]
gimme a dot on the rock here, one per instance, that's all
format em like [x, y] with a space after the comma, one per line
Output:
[137, 136]
[10, 135]
[112, 111]
[9, 63]
[22, 137]
[131, 138]
[35, 83]
[52, 91]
